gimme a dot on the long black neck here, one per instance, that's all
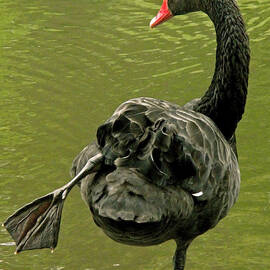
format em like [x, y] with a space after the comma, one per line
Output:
[225, 99]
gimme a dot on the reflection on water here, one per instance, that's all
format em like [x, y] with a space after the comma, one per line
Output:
[65, 67]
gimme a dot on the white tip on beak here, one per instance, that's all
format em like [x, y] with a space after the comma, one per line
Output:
[152, 21]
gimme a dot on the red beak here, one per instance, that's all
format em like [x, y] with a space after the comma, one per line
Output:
[163, 15]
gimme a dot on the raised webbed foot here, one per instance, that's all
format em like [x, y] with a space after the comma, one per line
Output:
[36, 225]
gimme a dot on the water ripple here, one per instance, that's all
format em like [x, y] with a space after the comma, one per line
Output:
[8, 244]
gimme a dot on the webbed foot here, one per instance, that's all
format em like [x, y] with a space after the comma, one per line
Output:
[36, 225]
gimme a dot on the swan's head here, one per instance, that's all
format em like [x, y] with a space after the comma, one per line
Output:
[171, 8]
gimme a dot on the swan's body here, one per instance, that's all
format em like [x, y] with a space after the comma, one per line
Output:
[170, 174]
[159, 171]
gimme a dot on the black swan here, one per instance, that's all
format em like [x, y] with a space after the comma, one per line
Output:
[159, 171]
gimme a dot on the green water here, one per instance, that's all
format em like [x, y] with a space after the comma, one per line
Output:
[65, 66]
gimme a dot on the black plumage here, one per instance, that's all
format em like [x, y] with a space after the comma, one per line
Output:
[157, 157]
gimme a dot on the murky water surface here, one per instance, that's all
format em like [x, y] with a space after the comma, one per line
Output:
[65, 66]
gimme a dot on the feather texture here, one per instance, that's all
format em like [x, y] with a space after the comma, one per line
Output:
[157, 155]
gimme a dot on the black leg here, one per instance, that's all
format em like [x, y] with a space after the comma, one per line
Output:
[36, 225]
[179, 258]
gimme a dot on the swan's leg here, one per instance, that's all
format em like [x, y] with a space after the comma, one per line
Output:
[36, 225]
[179, 258]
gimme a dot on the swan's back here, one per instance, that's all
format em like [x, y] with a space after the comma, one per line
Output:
[162, 163]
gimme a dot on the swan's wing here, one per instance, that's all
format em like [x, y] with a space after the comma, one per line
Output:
[149, 146]
[167, 144]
